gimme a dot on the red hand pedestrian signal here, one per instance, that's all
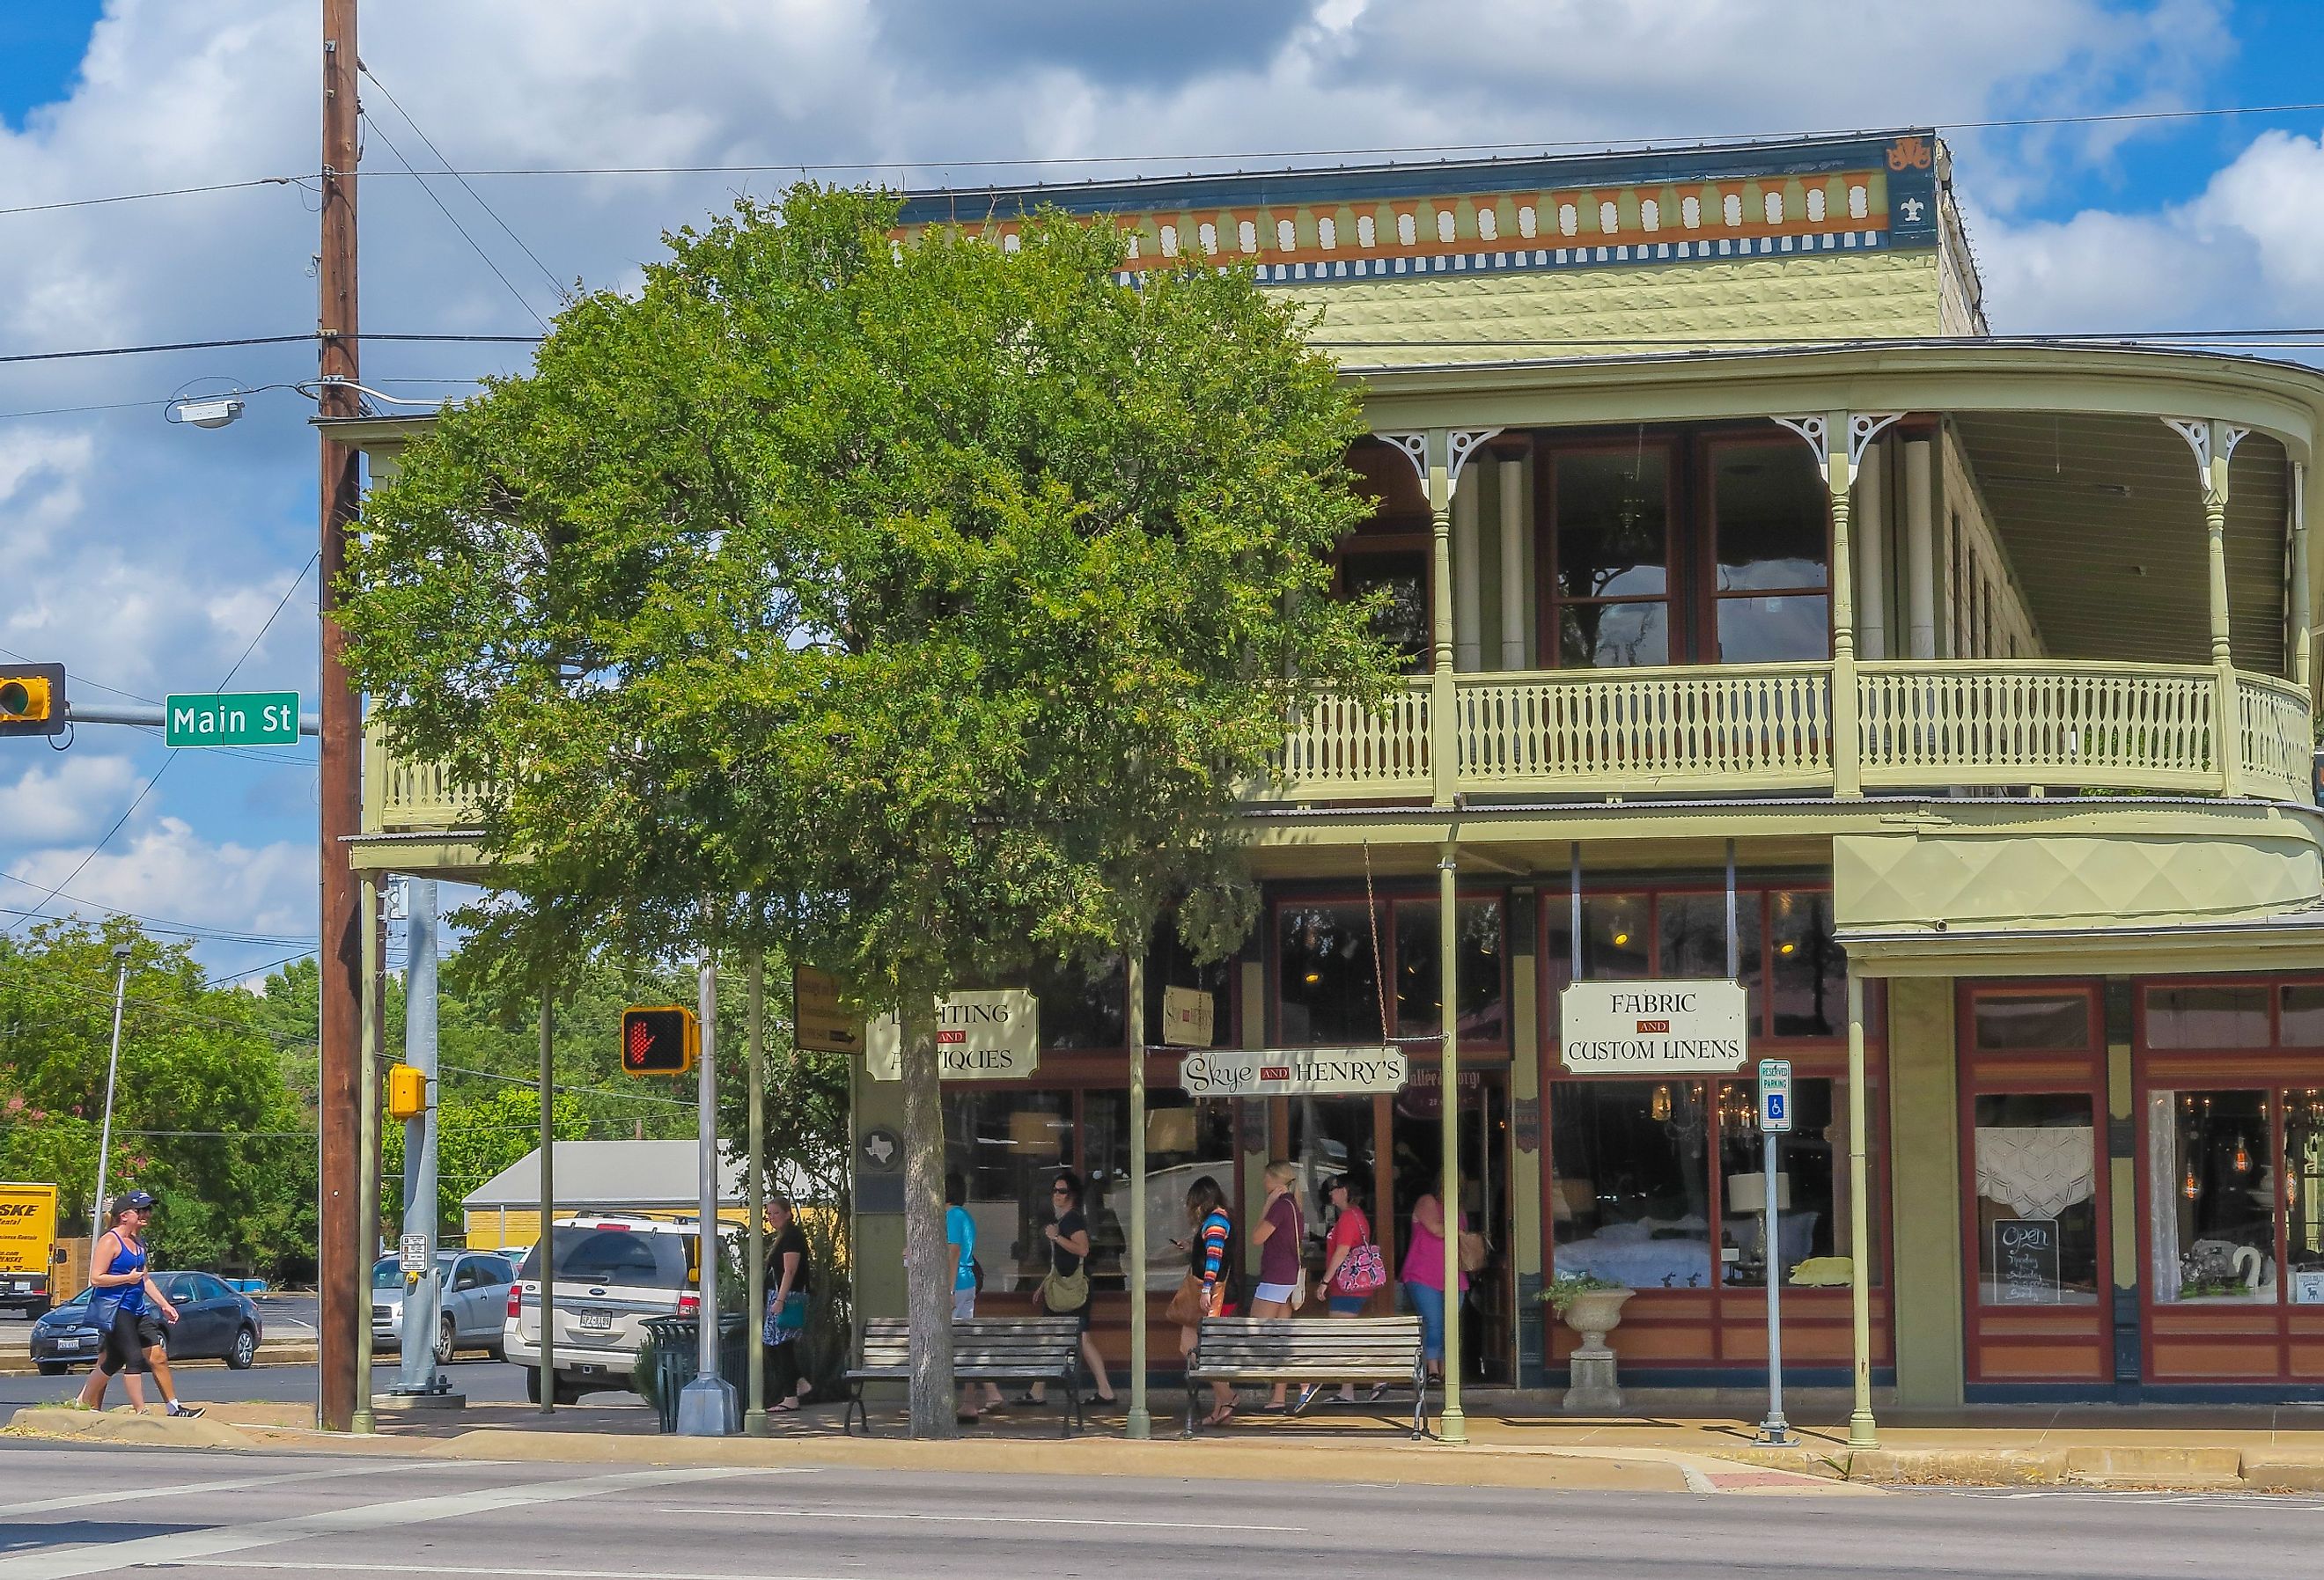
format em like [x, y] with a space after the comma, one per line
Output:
[659, 1039]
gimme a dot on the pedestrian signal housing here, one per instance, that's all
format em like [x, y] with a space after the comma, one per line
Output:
[406, 1092]
[659, 1039]
[33, 699]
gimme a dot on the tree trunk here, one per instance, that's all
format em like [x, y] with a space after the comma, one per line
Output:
[927, 1258]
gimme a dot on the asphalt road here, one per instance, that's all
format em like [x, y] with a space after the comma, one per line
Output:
[484, 1380]
[79, 1511]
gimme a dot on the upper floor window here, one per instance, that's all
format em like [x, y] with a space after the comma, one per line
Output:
[1770, 523]
[1611, 582]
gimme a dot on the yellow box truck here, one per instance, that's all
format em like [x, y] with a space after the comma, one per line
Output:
[28, 1247]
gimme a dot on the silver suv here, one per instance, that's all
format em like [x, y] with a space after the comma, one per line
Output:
[472, 1292]
[613, 1273]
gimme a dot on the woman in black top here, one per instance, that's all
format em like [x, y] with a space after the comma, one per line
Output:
[789, 1279]
[1069, 1249]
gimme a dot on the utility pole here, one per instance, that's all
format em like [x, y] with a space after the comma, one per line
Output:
[112, 1071]
[342, 1260]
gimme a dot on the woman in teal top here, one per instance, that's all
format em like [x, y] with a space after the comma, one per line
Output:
[960, 1233]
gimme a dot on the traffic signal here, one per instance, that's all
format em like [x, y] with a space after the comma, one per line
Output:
[659, 1039]
[33, 699]
[406, 1092]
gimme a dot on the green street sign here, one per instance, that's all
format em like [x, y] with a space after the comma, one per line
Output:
[233, 718]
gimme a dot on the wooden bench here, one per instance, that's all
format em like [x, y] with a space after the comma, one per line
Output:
[984, 1349]
[1320, 1350]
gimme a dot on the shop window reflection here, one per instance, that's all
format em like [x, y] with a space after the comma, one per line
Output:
[1329, 981]
[1419, 964]
[1629, 1195]
[2036, 1159]
[1331, 1136]
[1810, 969]
[1185, 1139]
[1692, 931]
[1006, 1146]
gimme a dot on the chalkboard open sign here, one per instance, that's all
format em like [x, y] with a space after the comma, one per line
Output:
[2025, 1260]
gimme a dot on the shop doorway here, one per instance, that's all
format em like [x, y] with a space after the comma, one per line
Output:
[1415, 1168]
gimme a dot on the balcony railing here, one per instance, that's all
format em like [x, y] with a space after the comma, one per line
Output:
[1733, 729]
[1743, 729]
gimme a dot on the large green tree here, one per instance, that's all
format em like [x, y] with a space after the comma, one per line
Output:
[920, 605]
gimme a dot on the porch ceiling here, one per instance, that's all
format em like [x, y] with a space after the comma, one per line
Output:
[2102, 517]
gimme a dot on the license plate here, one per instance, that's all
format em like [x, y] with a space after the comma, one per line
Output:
[69, 1344]
[597, 1322]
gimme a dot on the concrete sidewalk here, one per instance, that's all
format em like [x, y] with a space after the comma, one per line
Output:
[1511, 1444]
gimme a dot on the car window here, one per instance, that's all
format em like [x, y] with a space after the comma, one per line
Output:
[209, 1287]
[500, 1269]
[470, 1275]
[178, 1288]
[386, 1273]
[585, 1254]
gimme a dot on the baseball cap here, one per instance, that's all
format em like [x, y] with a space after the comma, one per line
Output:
[143, 1200]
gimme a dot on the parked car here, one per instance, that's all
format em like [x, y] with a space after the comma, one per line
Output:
[472, 1296]
[214, 1323]
[611, 1273]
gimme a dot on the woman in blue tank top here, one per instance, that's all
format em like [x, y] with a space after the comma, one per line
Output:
[129, 1310]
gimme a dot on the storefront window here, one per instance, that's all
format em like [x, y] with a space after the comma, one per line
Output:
[2023, 1022]
[1811, 973]
[1185, 1139]
[1170, 964]
[2303, 1015]
[1329, 978]
[1331, 1136]
[1805, 1195]
[2303, 1189]
[1484, 1004]
[1630, 1197]
[2214, 1226]
[1006, 1145]
[1615, 942]
[2037, 1229]
[2207, 1017]
[1693, 938]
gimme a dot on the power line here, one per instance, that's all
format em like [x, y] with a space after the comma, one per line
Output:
[263, 340]
[559, 286]
[377, 131]
[141, 197]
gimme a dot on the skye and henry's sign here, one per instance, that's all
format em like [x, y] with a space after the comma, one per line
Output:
[1291, 1072]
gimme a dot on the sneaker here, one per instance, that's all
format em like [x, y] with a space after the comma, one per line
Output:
[184, 1412]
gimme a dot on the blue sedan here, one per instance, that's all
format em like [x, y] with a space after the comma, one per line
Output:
[214, 1323]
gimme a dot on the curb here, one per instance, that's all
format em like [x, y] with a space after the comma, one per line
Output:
[21, 1366]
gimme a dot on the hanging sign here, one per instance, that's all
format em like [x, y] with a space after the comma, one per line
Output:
[1667, 1027]
[1186, 1017]
[1291, 1072]
[981, 1035]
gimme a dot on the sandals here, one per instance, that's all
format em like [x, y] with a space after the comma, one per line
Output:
[1220, 1416]
[783, 1404]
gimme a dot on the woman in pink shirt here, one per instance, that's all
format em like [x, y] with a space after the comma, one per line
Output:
[1424, 1277]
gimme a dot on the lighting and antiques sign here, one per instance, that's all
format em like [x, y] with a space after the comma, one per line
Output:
[1291, 1072]
[1666, 1026]
[981, 1035]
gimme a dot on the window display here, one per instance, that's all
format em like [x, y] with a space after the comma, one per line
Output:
[1630, 1194]
[2215, 1223]
[1006, 1145]
[1805, 1218]
[2037, 1182]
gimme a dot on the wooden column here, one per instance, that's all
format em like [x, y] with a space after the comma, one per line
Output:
[1840, 475]
[2299, 640]
[1468, 584]
[1872, 552]
[2214, 443]
[1513, 560]
[1919, 553]
[1442, 768]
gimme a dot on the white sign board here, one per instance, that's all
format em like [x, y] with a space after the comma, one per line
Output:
[1775, 1097]
[1186, 1017]
[1669, 1027]
[1291, 1072]
[411, 1253]
[981, 1035]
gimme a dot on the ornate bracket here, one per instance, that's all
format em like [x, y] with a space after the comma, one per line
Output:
[1463, 443]
[1863, 427]
[1415, 448]
[2197, 432]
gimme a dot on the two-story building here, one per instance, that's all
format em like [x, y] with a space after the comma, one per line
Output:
[1722, 539]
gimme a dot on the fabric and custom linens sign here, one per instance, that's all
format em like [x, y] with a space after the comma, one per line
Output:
[1291, 1072]
[1666, 1027]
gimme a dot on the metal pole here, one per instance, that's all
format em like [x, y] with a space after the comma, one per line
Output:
[1453, 1426]
[343, 1261]
[1861, 1431]
[754, 1190]
[1775, 1429]
[420, 1305]
[1141, 1420]
[112, 1070]
[545, 1245]
[708, 1408]
[367, 1142]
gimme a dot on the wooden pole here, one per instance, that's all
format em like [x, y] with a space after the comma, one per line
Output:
[343, 1317]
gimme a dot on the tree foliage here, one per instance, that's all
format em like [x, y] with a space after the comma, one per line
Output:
[917, 606]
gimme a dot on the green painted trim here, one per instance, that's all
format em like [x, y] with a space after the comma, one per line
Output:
[1924, 1177]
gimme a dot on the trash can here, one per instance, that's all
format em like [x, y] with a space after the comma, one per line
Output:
[674, 1342]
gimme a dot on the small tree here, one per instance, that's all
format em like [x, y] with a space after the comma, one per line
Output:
[937, 601]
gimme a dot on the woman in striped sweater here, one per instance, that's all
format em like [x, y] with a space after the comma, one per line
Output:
[1206, 1212]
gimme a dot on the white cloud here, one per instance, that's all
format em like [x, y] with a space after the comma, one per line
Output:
[167, 870]
[68, 796]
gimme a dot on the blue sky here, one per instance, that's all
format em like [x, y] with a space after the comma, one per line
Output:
[148, 556]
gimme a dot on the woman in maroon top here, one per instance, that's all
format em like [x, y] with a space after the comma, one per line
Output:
[1279, 1239]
